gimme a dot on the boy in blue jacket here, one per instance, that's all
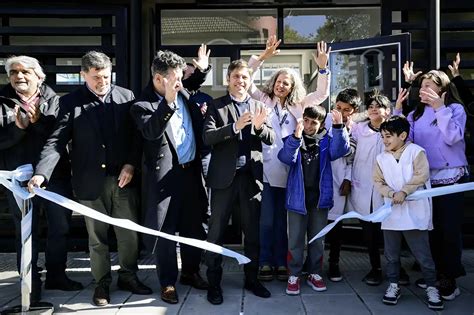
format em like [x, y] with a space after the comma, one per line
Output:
[309, 191]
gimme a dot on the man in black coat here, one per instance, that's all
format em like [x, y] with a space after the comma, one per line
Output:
[106, 152]
[235, 127]
[175, 199]
[28, 109]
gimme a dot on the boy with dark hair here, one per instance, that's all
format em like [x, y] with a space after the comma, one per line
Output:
[401, 170]
[347, 103]
[309, 192]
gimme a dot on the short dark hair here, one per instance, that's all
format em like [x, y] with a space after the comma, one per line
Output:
[349, 96]
[396, 125]
[165, 60]
[315, 112]
[238, 64]
[378, 98]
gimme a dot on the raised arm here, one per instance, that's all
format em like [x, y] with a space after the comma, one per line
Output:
[321, 57]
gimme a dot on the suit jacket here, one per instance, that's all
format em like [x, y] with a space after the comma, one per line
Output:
[151, 118]
[78, 120]
[22, 146]
[218, 133]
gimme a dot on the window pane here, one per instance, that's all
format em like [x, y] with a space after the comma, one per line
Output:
[218, 27]
[331, 25]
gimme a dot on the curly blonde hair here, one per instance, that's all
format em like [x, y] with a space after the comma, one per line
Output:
[297, 92]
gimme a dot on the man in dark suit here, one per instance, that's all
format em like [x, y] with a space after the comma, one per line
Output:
[28, 108]
[175, 199]
[106, 152]
[235, 127]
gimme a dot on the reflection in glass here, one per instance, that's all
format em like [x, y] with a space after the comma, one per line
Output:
[217, 27]
[331, 25]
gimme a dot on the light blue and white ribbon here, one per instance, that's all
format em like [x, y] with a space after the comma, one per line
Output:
[24, 173]
[384, 211]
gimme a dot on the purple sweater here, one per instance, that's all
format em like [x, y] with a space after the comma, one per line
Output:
[441, 134]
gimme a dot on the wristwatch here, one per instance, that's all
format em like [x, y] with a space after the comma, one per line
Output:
[324, 71]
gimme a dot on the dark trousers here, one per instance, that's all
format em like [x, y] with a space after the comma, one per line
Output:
[419, 245]
[119, 203]
[273, 222]
[58, 221]
[334, 238]
[372, 234]
[446, 236]
[184, 216]
[244, 194]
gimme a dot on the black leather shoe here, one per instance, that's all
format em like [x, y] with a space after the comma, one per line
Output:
[195, 280]
[134, 286]
[257, 288]
[169, 294]
[63, 284]
[214, 295]
[101, 295]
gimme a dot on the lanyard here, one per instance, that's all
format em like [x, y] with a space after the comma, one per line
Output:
[283, 119]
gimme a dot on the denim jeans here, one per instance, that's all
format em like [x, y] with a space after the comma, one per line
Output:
[273, 234]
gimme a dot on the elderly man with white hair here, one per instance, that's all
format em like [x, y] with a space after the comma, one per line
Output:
[28, 109]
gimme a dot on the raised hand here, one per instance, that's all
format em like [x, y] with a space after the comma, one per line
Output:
[336, 117]
[299, 128]
[202, 61]
[271, 48]
[410, 76]
[172, 87]
[321, 56]
[259, 118]
[243, 121]
[402, 96]
[430, 97]
[455, 67]
[21, 121]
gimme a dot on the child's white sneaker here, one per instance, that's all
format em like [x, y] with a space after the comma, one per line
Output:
[392, 294]
[293, 287]
[316, 282]
[434, 299]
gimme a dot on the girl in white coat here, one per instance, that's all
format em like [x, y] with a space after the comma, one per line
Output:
[364, 197]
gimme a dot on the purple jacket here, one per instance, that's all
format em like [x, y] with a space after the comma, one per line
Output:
[441, 134]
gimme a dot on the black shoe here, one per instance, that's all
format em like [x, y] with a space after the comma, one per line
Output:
[169, 294]
[214, 295]
[282, 273]
[374, 277]
[134, 286]
[448, 289]
[101, 295]
[404, 278]
[257, 288]
[333, 273]
[62, 283]
[195, 280]
[265, 273]
[421, 283]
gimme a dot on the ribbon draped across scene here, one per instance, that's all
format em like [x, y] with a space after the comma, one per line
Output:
[11, 179]
[384, 211]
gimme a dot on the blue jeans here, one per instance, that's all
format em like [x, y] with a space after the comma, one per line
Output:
[273, 234]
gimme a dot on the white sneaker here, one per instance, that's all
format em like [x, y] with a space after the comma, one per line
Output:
[392, 294]
[293, 287]
[434, 299]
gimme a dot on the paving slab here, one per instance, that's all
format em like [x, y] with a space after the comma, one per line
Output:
[198, 304]
[340, 304]
[275, 305]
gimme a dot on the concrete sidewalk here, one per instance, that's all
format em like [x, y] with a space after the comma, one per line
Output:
[350, 296]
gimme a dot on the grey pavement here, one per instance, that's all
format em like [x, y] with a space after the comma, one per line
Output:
[350, 296]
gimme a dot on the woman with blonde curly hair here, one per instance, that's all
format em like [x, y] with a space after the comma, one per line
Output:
[285, 97]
